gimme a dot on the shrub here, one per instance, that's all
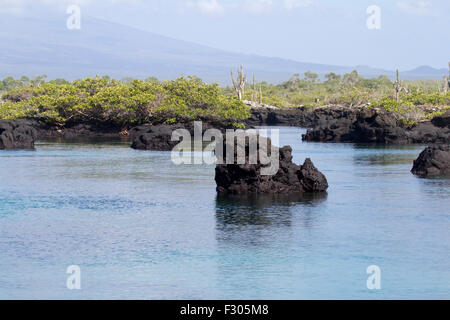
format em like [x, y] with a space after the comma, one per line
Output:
[437, 113]
[420, 99]
[115, 102]
[407, 112]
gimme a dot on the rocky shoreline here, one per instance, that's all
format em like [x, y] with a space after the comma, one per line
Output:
[377, 126]
[297, 117]
[327, 124]
[159, 137]
[356, 124]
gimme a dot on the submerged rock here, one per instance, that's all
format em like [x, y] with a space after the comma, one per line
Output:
[16, 134]
[433, 161]
[247, 178]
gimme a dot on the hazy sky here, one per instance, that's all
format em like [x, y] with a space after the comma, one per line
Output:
[413, 32]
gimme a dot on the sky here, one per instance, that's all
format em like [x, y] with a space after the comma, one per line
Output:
[412, 32]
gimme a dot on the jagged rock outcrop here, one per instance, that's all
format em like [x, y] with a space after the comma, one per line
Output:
[16, 134]
[375, 126]
[247, 178]
[433, 161]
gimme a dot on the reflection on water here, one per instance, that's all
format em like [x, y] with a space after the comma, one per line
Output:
[382, 147]
[385, 159]
[436, 187]
[385, 155]
[264, 210]
[258, 219]
[86, 140]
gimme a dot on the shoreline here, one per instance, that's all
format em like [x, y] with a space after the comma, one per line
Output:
[332, 123]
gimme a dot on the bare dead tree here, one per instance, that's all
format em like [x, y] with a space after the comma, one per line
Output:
[239, 82]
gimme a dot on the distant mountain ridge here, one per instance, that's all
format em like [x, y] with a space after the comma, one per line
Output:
[31, 46]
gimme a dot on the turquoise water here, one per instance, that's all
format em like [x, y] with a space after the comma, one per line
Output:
[140, 227]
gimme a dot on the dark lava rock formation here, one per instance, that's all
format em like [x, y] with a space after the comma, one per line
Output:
[442, 121]
[280, 117]
[298, 117]
[433, 161]
[290, 178]
[376, 126]
[159, 137]
[16, 134]
[75, 130]
[149, 137]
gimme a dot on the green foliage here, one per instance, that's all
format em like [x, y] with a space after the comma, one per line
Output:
[408, 123]
[437, 113]
[190, 99]
[121, 103]
[332, 77]
[10, 83]
[10, 110]
[353, 97]
[130, 102]
[392, 105]
[239, 125]
[351, 79]
[274, 101]
[311, 76]
[349, 90]
[434, 98]
[405, 111]
[59, 81]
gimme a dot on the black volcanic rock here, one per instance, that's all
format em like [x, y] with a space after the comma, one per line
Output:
[312, 179]
[77, 131]
[442, 121]
[149, 137]
[247, 178]
[299, 116]
[16, 134]
[433, 161]
[159, 136]
[279, 117]
[375, 126]
[69, 131]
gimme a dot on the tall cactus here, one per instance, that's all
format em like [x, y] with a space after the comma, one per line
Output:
[446, 84]
[254, 93]
[447, 80]
[397, 86]
[239, 82]
[260, 94]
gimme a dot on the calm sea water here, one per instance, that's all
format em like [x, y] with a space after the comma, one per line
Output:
[140, 227]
